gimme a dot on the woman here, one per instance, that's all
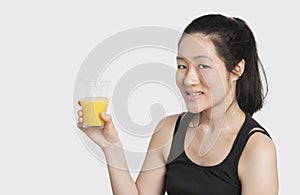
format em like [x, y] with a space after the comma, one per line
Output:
[216, 147]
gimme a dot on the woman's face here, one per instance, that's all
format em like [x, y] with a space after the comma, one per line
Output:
[201, 75]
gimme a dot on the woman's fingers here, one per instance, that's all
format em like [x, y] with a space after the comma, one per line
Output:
[107, 119]
[104, 116]
[104, 136]
[80, 125]
[109, 129]
[79, 112]
[108, 124]
[80, 119]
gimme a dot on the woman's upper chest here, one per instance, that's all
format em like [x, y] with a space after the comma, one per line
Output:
[207, 148]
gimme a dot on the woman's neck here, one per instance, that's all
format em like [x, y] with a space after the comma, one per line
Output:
[223, 116]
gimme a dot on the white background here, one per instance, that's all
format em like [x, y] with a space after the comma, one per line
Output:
[42, 46]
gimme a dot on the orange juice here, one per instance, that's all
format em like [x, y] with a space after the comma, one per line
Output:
[92, 107]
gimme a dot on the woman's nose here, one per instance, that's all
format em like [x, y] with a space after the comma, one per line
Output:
[192, 77]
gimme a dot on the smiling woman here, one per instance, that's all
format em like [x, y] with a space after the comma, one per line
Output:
[216, 147]
[218, 76]
[201, 74]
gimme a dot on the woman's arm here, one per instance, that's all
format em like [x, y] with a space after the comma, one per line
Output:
[151, 180]
[258, 166]
[108, 140]
[151, 177]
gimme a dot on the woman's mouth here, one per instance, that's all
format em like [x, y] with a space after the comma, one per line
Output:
[193, 95]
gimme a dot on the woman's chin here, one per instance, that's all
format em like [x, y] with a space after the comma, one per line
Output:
[194, 110]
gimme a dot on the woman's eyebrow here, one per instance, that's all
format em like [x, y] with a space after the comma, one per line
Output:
[180, 58]
[195, 58]
[202, 56]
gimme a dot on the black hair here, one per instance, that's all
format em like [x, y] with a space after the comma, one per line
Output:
[234, 41]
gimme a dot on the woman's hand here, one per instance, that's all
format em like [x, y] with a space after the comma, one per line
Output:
[104, 136]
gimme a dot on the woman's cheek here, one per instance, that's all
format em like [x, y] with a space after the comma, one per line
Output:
[217, 86]
[180, 79]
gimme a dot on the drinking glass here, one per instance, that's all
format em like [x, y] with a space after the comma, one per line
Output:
[95, 98]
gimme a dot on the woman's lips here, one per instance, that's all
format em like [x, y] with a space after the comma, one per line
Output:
[193, 95]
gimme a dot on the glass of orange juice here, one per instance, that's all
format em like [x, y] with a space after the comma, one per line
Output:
[95, 101]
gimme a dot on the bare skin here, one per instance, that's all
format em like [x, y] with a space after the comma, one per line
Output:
[257, 168]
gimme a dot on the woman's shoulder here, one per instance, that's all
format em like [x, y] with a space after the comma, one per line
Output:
[259, 145]
[259, 161]
[166, 125]
[163, 133]
[259, 151]
[167, 122]
[258, 139]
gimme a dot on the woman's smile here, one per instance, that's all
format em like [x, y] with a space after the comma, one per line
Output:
[192, 95]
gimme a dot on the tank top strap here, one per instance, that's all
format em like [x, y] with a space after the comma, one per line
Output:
[258, 130]
[177, 145]
[249, 128]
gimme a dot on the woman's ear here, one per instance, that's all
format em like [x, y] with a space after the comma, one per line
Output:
[238, 70]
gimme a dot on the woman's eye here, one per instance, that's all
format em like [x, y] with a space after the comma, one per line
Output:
[202, 66]
[181, 66]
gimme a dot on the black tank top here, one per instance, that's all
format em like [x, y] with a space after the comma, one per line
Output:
[184, 177]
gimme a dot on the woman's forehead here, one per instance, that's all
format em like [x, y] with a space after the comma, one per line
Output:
[195, 45]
